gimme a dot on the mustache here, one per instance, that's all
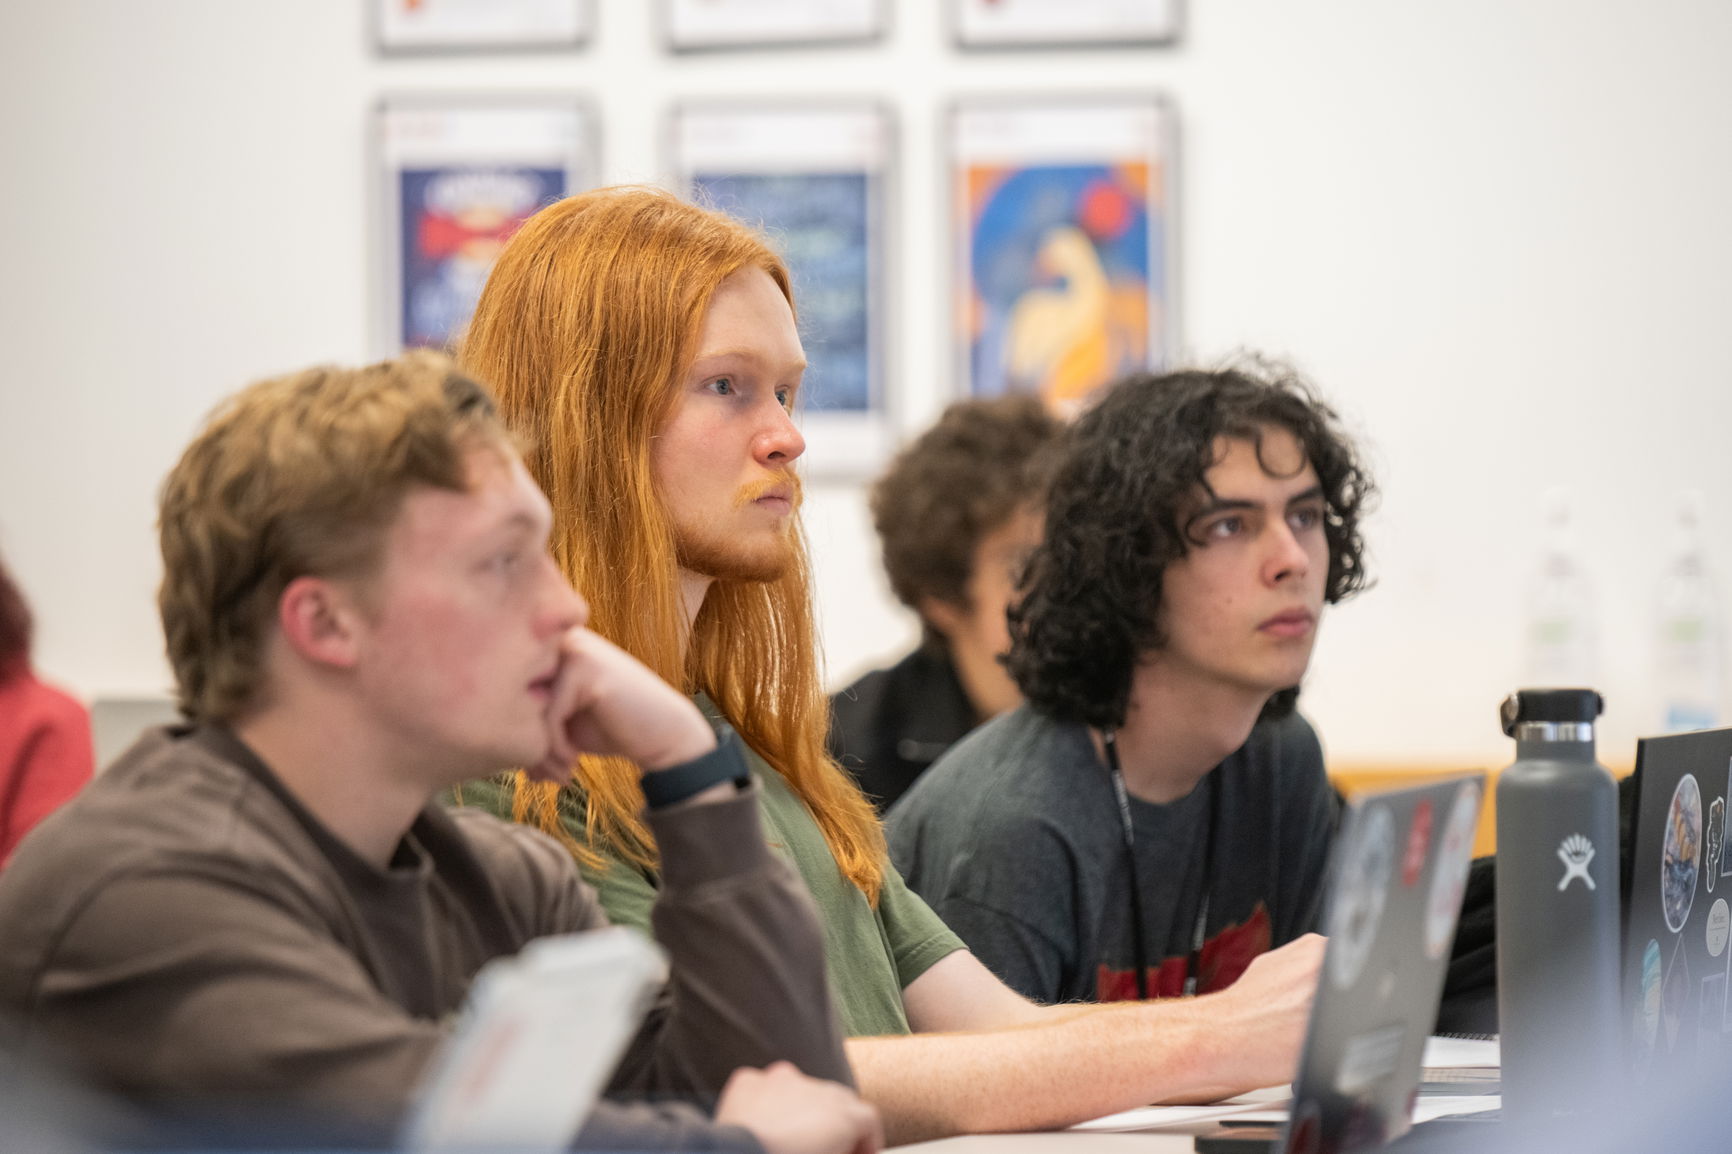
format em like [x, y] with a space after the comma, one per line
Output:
[785, 483]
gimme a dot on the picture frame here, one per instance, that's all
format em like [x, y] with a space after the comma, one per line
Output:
[456, 176]
[1062, 216]
[709, 25]
[815, 176]
[432, 26]
[1064, 23]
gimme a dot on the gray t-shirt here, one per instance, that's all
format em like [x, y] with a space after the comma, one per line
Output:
[1014, 838]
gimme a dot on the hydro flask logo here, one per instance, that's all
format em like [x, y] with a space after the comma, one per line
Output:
[1576, 852]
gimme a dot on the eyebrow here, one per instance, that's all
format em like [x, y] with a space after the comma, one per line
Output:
[741, 355]
[1224, 504]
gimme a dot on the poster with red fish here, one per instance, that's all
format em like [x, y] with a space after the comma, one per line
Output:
[1063, 218]
[458, 178]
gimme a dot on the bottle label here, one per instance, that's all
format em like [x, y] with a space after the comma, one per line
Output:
[1576, 852]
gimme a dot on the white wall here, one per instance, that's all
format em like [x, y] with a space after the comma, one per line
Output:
[1496, 233]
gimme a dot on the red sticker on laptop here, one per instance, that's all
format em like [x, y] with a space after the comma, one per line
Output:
[1449, 878]
[1418, 842]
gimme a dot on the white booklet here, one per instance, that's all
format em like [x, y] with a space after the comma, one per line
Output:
[536, 1041]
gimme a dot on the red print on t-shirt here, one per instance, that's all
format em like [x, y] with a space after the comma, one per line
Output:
[1224, 957]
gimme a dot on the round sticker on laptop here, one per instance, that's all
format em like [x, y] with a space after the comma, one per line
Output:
[1682, 853]
[1449, 879]
[1717, 924]
[1362, 887]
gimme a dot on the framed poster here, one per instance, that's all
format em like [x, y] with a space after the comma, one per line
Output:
[693, 25]
[457, 175]
[813, 177]
[1063, 215]
[480, 25]
[1063, 23]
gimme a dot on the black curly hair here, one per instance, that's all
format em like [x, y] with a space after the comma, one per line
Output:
[1131, 466]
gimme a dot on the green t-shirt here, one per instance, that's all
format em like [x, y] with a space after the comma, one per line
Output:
[871, 954]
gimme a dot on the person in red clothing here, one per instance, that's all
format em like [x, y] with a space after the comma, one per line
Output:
[46, 754]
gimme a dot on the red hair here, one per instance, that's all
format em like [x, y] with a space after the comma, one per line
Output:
[587, 324]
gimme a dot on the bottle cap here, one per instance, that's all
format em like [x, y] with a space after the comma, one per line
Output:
[1553, 705]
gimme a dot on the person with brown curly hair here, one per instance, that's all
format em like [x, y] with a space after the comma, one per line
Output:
[957, 513]
[1156, 817]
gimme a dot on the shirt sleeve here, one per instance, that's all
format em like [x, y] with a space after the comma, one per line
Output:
[55, 761]
[746, 962]
[918, 936]
[1019, 954]
[629, 1126]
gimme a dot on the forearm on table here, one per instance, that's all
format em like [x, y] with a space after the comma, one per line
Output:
[1069, 1064]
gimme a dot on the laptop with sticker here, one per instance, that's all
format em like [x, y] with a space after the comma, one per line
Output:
[1397, 874]
[1677, 964]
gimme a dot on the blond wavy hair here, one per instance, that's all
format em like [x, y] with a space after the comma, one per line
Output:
[294, 476]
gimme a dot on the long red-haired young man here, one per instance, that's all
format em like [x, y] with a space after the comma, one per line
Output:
[648, 349]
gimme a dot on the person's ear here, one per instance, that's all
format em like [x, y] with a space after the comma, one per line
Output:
[319, 621]
[945, 617]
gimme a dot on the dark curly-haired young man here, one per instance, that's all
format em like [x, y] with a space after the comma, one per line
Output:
[1156, 815]
[957, 513]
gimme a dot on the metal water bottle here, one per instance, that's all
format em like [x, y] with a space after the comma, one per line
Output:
[1557, 909]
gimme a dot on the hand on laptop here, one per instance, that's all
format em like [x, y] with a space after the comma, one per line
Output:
[793, 1114]
[1273, 1000]
[605, 701]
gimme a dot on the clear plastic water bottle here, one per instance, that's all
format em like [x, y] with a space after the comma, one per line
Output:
[1561, 629]
[1557, 909]
[1690, 670]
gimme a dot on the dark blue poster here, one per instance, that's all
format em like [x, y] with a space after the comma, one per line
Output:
[819, 223]
[456, 219]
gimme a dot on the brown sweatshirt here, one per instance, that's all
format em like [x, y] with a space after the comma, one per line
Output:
[186, 933]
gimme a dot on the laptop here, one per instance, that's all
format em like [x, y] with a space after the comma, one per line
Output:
[1397, 873]
[1677, 964]
[538, 1036]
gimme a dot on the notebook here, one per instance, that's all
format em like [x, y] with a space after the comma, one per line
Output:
[1676, 962]
[536, 1041]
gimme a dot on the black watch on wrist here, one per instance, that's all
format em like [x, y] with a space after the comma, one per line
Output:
[726, 762]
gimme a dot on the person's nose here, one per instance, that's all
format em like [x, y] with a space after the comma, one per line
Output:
[779, 442]
[1288, 558]
[566, 606]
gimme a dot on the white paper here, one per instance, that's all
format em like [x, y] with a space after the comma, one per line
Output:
[1462, 1053]
[1429, 1108]
[1161, 1117]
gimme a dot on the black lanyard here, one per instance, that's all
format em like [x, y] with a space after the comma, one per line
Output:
[1139, 947]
